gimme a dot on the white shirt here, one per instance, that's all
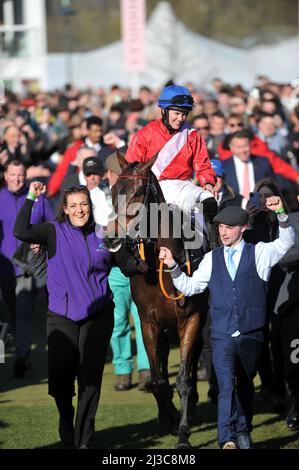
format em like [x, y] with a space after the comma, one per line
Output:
[81, 178]
[266, 256]
[97, 146]
[101, 208]
[239, 166]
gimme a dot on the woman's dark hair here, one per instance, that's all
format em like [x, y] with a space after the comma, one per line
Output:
[270, 184]
[62, 216]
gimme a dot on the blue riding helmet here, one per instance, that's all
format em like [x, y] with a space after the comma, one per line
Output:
[217, 167]
[175, 96]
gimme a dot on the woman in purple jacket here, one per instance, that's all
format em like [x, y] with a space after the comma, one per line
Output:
[80, 317]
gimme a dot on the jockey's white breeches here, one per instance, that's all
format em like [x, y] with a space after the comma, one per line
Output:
[183, 193]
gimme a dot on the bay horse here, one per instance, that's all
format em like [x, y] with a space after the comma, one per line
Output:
[158, 312]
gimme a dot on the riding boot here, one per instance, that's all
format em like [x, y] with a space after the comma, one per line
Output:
[213, 234]
[210, 209]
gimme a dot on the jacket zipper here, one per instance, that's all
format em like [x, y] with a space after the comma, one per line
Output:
[17, 211]
[67, 304]
[89, 267]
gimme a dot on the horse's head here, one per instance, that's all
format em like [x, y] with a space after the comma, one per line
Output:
[130, 197]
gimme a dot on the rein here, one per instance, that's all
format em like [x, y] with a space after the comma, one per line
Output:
[169, 297]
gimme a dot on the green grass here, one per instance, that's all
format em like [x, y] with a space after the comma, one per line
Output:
[125, 420]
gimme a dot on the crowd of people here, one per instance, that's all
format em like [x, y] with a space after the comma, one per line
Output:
[225, 147]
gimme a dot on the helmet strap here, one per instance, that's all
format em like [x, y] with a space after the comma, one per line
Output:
[165, 120]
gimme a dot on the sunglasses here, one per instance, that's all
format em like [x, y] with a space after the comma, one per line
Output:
[237, 124]
[204, 128]
[69, 189]
[182, 99]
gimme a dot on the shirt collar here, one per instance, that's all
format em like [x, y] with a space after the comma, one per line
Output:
[97, 146]
[239, 247]
[240, 162]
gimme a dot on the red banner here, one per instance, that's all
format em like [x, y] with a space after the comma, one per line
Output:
[133, 29]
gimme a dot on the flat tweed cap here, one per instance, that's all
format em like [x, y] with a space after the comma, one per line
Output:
[112, 164]
[232, 215]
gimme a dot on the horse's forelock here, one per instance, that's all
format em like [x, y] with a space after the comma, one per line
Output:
[131, 167]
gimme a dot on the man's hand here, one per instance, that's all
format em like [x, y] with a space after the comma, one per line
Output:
[111, 139]
[37, 188]
[209, 187]
[165, 255]
[34, 247]
[274, 203]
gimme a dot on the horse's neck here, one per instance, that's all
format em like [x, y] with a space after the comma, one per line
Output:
[175, 246]
[172, 241]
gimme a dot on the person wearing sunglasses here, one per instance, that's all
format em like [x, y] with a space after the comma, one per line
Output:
[234, 124]
[257, 148]
[177, 152]
[80, 310]
[200, 122]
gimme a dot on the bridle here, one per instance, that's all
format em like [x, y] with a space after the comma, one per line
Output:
[139, 241]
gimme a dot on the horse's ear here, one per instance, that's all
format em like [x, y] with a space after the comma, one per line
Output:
[145, 167]
[121, 159]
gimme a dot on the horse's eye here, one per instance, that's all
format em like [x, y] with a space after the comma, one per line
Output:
[139, 192]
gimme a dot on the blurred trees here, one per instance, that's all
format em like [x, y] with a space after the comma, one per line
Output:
[237, 22]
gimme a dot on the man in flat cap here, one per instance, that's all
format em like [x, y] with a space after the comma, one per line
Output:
[236, 275]
[232, 216]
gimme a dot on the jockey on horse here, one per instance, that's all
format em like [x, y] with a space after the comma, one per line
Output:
[163, 156]
[181, 152]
